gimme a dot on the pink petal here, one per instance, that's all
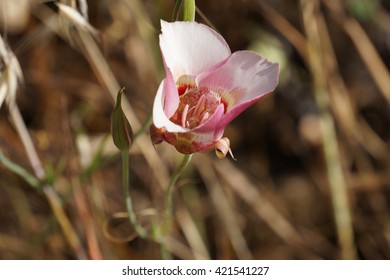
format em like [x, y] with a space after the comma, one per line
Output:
[241, 81]
[171, 96]
[189, 48]
[212, 123]
[160, 119]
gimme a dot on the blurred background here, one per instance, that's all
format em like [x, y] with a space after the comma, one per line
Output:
[312, 176]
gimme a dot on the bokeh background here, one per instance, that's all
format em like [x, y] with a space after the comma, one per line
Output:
[312, 175]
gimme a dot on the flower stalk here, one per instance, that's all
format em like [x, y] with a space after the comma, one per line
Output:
[122, 136]
[185, 8]
[188, 10]
[129, 204]
[169, 192]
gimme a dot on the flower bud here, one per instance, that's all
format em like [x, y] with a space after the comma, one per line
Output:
[122, 133]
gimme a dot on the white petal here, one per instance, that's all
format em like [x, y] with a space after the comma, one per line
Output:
[190, 48]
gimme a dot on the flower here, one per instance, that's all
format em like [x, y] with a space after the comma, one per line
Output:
[205, 88]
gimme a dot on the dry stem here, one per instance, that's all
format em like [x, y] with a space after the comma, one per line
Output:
[338, 188]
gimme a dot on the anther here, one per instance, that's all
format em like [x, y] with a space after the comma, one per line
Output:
[199, 106]
[184, 115]
[204, 118]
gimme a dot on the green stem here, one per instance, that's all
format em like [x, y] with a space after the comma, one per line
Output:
[188, 10]
[185, 8]
[144, 127]
[129, 205]
[169, 192]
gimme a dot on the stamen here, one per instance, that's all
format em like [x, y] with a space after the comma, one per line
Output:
[204, 118]
[184, 116]
[199, 106]
[190, 110]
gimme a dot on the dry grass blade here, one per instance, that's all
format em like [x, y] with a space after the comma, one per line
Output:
[85, 41]
[364, 46]
[76, 18]
[281, 24]
[341, 101]
[69, 20]
[204, 17]
[311, 15]
[322, 134]
[191, 233]
[14, 15]
[87, 221]
[11, 75]
[15, 245]
[223, 208]
[105, 75]
[52, 197]
[179, 249]
[261, 206]
[66, 226]
[80, 5]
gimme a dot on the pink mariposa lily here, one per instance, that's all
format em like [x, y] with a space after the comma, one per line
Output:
[205, 88]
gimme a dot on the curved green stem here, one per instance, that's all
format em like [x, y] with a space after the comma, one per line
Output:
[169, 192]
[129, 205]
[145, 125]
[184, 10]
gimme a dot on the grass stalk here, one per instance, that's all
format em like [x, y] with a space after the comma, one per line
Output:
[52, 197]
[338, 188]
[17, 169]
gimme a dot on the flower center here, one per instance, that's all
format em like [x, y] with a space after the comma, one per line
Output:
[196, 106]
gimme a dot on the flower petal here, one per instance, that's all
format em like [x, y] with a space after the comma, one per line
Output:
[171, 95]
[241, 81]
[190, 48]
[212, 123]
[160, 119]
[192, 142]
